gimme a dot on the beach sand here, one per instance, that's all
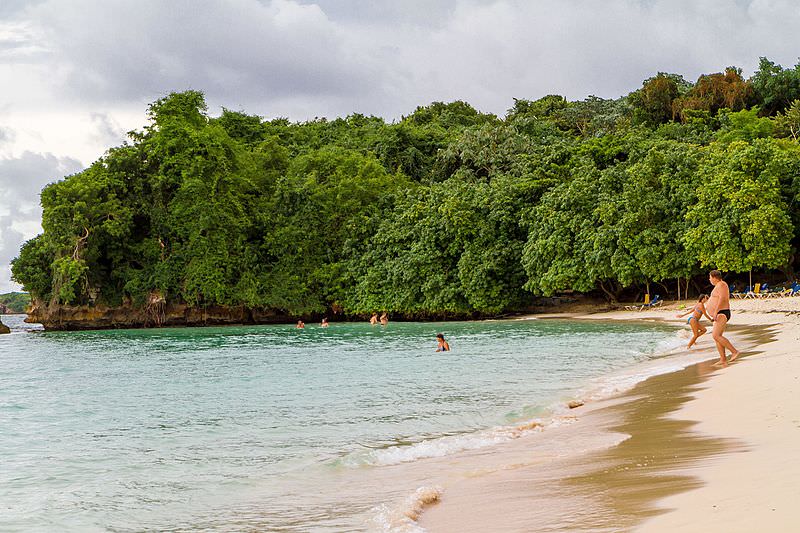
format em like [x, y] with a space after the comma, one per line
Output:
[755, 403]
[703, 449]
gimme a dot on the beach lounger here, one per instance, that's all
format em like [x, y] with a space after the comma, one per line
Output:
[764, 291]
[736, 294]
[753, 293]
[638, 307]
[656, 302]
[794, 290]
[780, 294]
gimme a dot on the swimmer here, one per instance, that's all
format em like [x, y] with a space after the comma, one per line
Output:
[442, 345]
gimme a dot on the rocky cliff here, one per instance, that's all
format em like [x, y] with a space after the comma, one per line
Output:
[61, 317]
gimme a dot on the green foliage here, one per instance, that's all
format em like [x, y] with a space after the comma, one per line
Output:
[744, 125]
[741, 220]
[542, 108]
[568, 245]
[652, 104]
[15, 302]
[775, 87]
[446, 212]
[32, 268]
[68, 275]
[788, 123]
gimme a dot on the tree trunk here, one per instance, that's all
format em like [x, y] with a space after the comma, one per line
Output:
[666, 289]
[610, 295]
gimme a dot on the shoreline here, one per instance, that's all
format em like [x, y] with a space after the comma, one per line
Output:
[604, 467]
[640, 485]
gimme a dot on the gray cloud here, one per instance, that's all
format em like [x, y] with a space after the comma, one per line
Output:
[23, 177]
[21, 180]
[240, 49]
[107, 131]
[332, 57]
[6, 135]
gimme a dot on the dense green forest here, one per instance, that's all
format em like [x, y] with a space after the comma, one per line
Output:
[448, 211]
[14, 302]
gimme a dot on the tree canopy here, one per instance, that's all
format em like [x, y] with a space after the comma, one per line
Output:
[445, 212]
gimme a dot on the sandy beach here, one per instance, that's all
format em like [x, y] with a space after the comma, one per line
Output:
[754, 402]
[704, 449]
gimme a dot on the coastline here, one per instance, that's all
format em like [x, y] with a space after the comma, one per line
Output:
[618, 463]
[704, 447]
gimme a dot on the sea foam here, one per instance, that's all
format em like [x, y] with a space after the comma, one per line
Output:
[402, 517]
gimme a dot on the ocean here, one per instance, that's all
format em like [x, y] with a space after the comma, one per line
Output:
[271, 428]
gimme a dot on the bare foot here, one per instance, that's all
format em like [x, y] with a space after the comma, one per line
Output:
[734, 355]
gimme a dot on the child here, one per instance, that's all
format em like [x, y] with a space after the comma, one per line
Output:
[697, 312]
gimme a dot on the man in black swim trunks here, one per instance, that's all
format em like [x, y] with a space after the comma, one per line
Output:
[719, 307]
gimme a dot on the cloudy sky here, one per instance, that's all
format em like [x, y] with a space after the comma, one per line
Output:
[76, 74]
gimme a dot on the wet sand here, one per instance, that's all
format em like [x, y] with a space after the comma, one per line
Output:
[686, 438]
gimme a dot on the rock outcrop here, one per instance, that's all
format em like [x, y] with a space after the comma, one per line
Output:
[4, 328]
[156, 314]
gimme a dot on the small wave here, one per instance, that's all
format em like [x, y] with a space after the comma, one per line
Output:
[451, 444]
[402, 518]
[668, 356]
[661, 359]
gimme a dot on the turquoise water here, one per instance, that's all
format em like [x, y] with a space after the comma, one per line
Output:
[207, 428]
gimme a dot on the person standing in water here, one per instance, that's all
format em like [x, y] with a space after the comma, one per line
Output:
[300, 324]
[373, 319]
[324, 323]
[697, 313]
[719, 307]
[442, 345]
[384, 319]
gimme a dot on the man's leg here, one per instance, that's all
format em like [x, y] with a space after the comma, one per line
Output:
[722, 343]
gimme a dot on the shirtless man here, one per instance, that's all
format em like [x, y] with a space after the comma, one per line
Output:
[719, 307]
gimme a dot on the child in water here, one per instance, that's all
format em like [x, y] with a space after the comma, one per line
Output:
[697, 313]
[324, 323]
[442, 345]
[300, 324]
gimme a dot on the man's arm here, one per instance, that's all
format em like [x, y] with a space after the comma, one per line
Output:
[713, 303]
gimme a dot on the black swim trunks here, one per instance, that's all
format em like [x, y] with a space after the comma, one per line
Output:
[726, 312]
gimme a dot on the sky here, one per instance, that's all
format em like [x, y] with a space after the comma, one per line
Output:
[76, 75]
